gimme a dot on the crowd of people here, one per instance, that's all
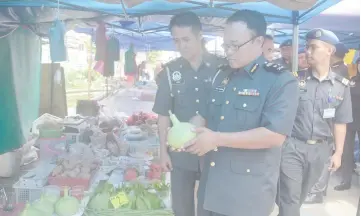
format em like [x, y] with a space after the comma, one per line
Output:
[264, 134]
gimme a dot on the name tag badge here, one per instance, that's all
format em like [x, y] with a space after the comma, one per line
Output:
[220, 88]
[329, 113]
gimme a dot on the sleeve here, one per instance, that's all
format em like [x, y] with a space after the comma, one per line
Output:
[343, 113]
[281, 105]
[163, 99]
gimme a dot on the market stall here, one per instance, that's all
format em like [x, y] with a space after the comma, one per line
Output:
[103, 165]
[107, 164]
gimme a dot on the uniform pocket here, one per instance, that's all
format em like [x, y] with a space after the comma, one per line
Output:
[304, 104]
[179, 96]
[245, 108]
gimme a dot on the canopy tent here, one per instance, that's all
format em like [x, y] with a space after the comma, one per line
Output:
[351, 40]
[343, 19]
[204, 8]
[141, 42]
[146, 24]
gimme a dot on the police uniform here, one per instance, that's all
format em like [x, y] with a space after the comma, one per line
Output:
[340, 67]
[347, 165]
[183, 90]
[320, 188]
[304, 155]
[238, 181]
[281, 60]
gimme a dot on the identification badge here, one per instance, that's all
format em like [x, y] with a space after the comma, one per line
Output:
[220, 88]
[329, 113]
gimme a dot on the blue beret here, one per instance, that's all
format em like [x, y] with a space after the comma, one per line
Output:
[322, 35]
[286, 43]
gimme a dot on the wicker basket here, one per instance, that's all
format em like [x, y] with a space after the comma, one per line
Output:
[128, 212]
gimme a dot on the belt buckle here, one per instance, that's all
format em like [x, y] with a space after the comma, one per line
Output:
[312, 142]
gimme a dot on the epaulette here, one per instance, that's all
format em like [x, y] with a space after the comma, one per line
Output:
[273, 67]
[342, 79]
[223, 67]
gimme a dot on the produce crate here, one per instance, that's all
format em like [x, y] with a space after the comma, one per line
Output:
[72, 182]
[50, 133]
[151, 146]
[24, 195]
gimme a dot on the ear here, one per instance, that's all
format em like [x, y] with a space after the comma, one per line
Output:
[260, 40]
[331, 49]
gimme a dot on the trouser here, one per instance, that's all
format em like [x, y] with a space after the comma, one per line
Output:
[347, 165]
[301, 167]
[182, 189]
[322, 183]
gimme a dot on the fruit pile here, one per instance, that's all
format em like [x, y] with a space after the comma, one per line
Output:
[140, 118]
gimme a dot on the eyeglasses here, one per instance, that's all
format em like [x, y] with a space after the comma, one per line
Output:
[235, 48]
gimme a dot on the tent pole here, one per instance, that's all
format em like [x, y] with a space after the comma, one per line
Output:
[90, 62]
[295, 15]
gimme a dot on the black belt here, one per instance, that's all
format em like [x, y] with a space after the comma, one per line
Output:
[314, 141]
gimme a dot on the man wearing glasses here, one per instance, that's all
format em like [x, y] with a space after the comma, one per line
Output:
[250, 113]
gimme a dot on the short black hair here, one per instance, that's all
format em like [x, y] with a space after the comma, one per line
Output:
[255, 21]
[187, 19]
[269, 37]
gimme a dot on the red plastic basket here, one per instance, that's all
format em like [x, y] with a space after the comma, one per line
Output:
[71, 182]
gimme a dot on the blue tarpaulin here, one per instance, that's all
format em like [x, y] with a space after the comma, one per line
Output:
[145, 25]
[274, 14]
[343, 19]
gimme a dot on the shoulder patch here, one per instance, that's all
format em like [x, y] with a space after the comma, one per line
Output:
[343, 80]
[222, 67]
[273, 67]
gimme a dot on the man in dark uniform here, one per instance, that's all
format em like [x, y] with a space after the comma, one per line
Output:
[338, 65]
[302, 59]
[323, 112]
[353, 128]
[286, 54]
[250, 113]
[183, 86]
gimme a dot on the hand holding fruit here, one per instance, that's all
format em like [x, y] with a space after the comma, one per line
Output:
[205, 141]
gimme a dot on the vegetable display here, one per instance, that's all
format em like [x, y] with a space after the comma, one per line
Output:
[74, 168]
[180, 133]
[140, 118]
[155, 172]
[130, 174]
[133, 196]
[44, 205]
[30, 211]
[67, 205]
